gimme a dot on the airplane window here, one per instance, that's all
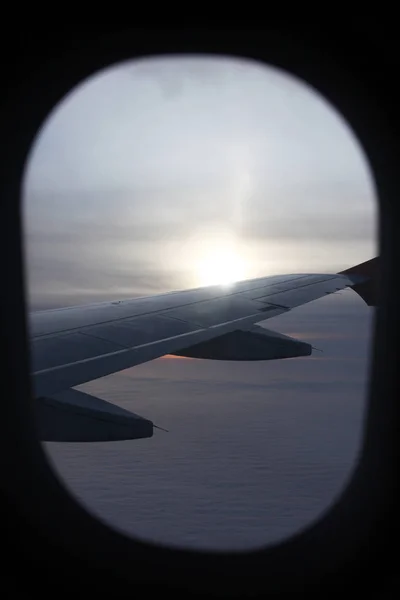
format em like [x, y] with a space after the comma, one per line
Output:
[195, 173]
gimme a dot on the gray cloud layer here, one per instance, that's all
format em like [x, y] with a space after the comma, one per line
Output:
[254, 452]
[147, 156]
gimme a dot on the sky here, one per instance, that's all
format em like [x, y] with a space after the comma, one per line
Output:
[165, 174]
[171, 173]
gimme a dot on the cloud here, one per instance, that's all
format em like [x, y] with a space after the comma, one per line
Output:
[145, 156]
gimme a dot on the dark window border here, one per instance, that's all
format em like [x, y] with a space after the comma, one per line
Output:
[354, 539]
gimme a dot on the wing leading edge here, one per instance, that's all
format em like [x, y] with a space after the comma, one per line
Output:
[75, 345]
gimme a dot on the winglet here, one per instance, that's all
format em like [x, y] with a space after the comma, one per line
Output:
[365, 280]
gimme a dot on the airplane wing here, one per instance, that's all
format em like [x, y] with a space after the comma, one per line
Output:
[71, 346]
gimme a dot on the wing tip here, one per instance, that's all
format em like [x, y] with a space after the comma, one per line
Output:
[365, 280]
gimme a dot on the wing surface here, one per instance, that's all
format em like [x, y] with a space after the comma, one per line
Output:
[71, 346]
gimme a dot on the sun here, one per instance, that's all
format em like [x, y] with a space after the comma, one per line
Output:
[220, 264]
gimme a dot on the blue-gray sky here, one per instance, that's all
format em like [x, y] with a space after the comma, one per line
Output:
[151, 174]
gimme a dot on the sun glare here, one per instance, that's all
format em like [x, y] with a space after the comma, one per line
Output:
[220, 264]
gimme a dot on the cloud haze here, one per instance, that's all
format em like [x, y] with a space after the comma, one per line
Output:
[255, 451]
[142, 163]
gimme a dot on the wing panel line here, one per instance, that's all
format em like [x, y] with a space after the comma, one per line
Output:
[174, 337]
[161, 311]
[123, 351]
